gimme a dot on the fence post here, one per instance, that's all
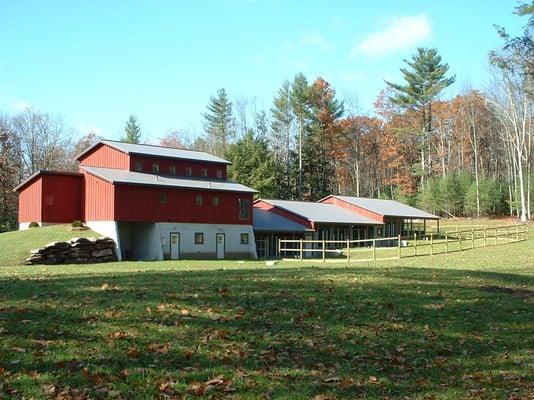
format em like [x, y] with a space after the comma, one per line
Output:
[446, 242]
[399, 246]
[507, 234]
[517, 233]
[324, 251]
[497, 236]
[301, 252]
[485, 236]
[279, 248]
[472, 238]
[415, 244]
[348, 250]
[374, 249]
[460, 239]
[431, 244]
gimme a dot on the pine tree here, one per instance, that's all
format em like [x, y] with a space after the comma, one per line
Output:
[253, 164]
[282, 144]
[425, 81]
[132, 131]
[300, 105]
[219, 123]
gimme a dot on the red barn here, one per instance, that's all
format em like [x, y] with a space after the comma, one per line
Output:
[156, 202]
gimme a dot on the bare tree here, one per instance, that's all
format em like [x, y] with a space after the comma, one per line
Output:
[45, 141]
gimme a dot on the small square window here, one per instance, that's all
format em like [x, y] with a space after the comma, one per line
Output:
[172, 169]
[163, 198]
[204, 172]
[215, 201]
[188, 171]
[219, 173]
[199, 200]
[244, 238]
[138, 166]
[155, 168]
[199, 238]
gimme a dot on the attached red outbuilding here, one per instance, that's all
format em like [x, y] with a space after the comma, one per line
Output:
[51, 197]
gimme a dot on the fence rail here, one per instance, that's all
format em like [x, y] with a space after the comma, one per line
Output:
[400, 246]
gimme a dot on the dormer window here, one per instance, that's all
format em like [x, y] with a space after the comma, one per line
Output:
[219, 173]
[204, 172]
[172, 170]
[138, 166]
[188, 171]
[155, 168]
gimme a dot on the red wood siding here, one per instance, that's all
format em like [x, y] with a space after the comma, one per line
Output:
[30, 202]
[105, 157]
[283, 213]
[355, 209]
[181, 165]
[141, 204]
[99, 198]
[61, 198]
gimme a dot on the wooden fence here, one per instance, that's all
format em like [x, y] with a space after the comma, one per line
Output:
[400, 247]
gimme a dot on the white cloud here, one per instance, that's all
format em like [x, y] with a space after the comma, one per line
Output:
[315, 39]
[400, 33]
[20, 105]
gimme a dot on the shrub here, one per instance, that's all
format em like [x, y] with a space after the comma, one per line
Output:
[77, 224]
[33, 225]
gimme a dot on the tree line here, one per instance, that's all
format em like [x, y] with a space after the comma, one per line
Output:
[467, 155]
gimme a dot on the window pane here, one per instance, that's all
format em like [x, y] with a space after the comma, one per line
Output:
[163, 198]
[172, 170]
[199, 238]
[199, 200]
[244, 238]
[138, 166]
[244, 209]
[215, 201]
[155, 168]
[204, 172]
[219, 173]
[188, 171]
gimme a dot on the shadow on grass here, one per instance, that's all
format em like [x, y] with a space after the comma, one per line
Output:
[280, 333]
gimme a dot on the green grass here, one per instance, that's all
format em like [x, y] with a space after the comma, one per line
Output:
[15, 246]
[443, 327]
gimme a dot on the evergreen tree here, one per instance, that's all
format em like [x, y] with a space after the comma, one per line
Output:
[425, 80]
[252, 164]
[219, 123]
[132, 131]
[282, 143]
[300, 106]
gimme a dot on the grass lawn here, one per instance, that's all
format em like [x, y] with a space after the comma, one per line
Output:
[444, 327]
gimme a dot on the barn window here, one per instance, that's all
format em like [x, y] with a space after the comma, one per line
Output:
[219, 173]
[172, 169]
[49, 200]
[155, 168]
[188, 171]
[138, 166]
[204, 172]
[199, 238]
[244, 238]
[244, 209]
[163, 198]
[215, 201]
[199, 200]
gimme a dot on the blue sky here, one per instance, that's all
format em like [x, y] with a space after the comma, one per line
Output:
[96, 62]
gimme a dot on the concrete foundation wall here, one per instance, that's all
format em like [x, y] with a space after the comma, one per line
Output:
[151, 241]
[107, 229]
[26, 225]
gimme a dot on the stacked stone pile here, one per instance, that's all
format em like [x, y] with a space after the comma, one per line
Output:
[75, 251]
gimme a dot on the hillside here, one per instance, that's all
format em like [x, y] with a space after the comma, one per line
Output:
[16, 245]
